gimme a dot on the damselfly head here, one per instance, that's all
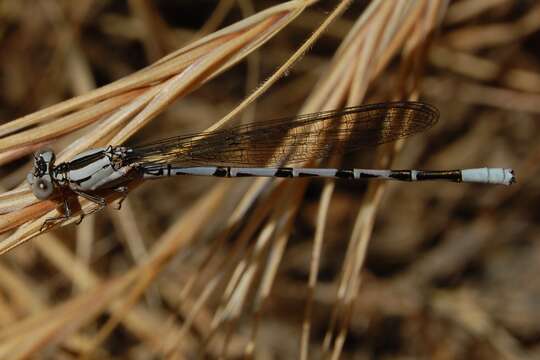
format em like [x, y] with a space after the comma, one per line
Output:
[40, 178]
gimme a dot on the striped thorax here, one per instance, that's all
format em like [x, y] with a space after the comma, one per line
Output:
[88, 171]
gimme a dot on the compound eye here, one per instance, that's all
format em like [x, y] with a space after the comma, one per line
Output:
[30, 178]
[42, 188]
[46, 154]
[43, 160]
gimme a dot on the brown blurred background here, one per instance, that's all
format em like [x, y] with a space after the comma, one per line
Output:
[451, 270]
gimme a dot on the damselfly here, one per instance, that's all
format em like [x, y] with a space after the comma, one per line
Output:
[254, 149]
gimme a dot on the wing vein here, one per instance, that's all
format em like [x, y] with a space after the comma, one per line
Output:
[293, 139]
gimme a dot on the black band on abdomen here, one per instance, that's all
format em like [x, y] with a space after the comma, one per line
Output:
[452, 175]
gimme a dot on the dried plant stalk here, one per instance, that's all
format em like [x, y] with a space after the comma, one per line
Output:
[163, 82]
[236, 273]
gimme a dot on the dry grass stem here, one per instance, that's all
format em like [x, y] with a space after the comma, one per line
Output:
[167, 79]
[271, 268]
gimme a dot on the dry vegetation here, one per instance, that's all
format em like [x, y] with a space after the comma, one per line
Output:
[230, 268]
